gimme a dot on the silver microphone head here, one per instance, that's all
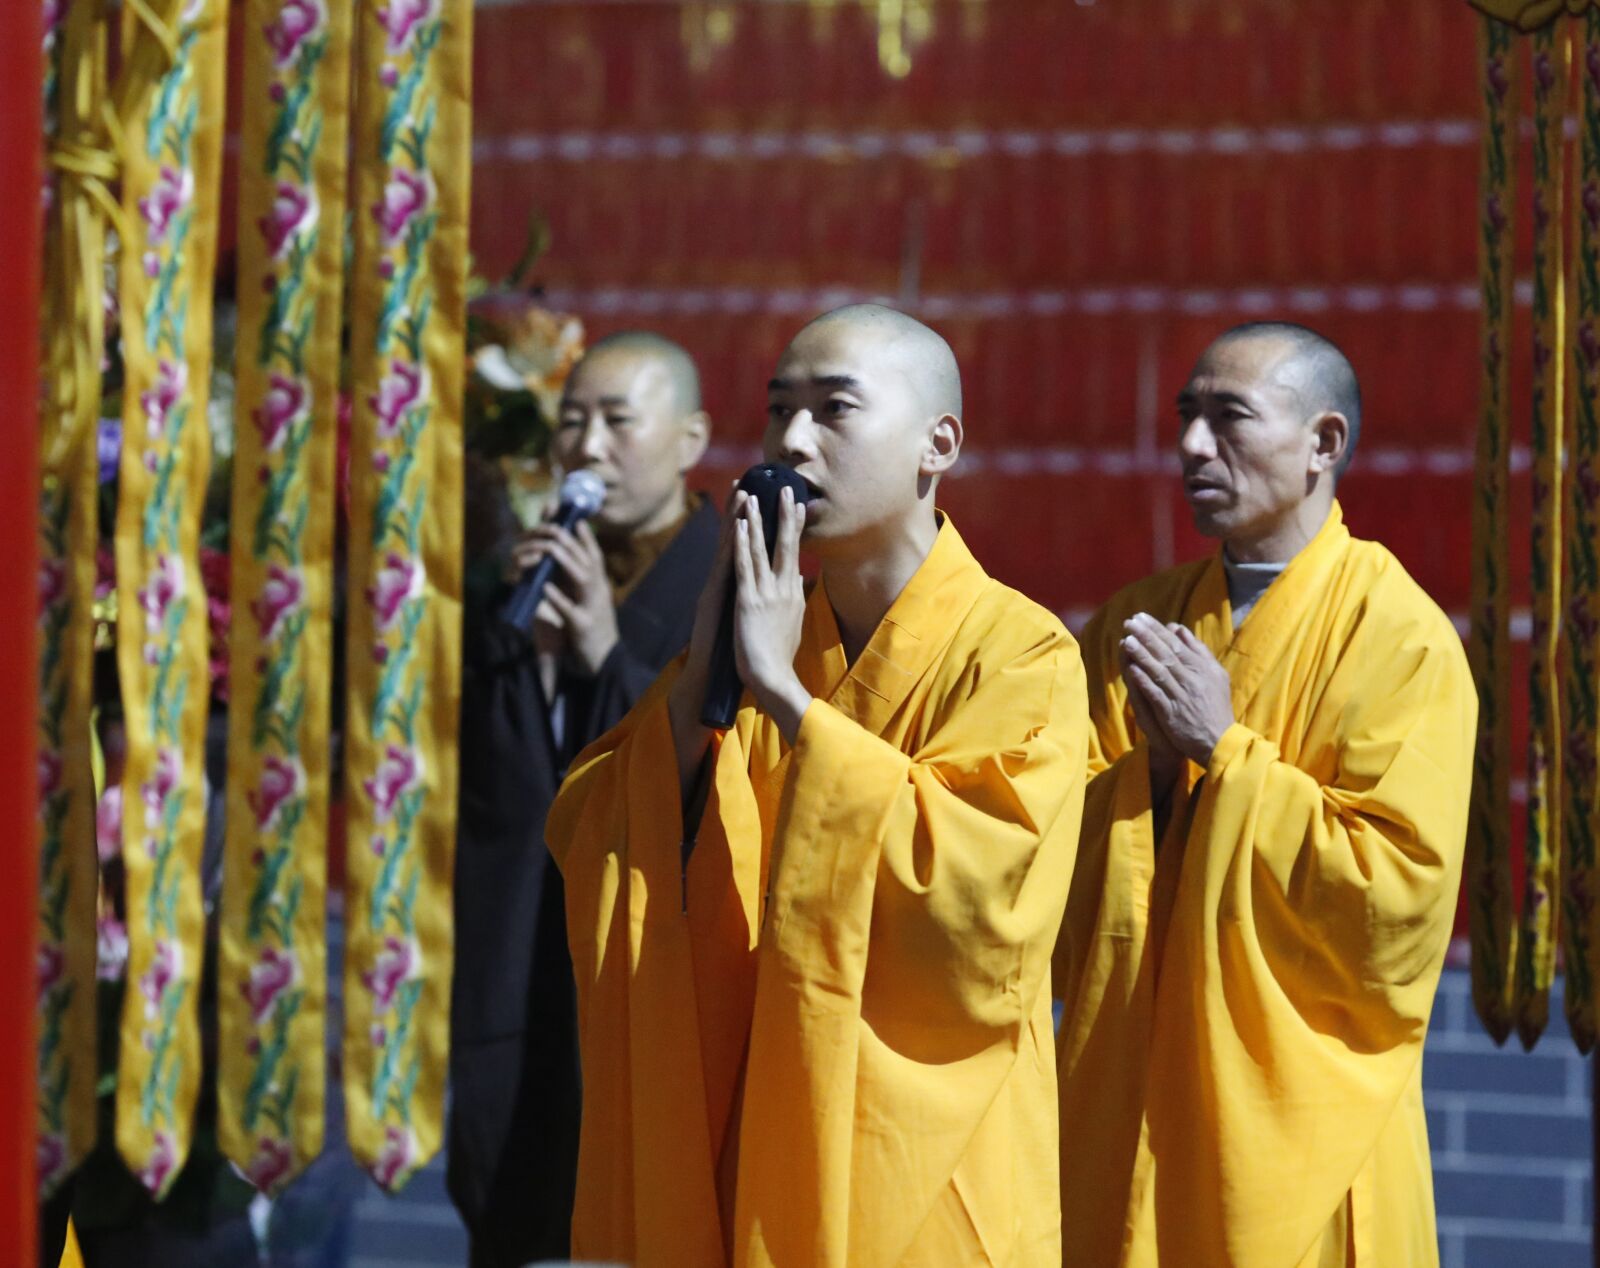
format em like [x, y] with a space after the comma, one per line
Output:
[583, 491]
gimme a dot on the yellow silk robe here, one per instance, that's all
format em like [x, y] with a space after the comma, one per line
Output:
[1245, 1007]
[828, 1041]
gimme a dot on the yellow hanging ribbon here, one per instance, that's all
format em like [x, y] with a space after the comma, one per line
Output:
[74, 337]
[1536, 937]
[1488, 842]
[1581, 556]
[172, 151]
[412, 147]
[272, 994]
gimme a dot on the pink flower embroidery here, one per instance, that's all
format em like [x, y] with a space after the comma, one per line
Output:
[269, 978]
[1544, 71]
[50, 1153]
[1495, 72]
[281, 779]
[395, 1158]
[158, 788]
[167, 197]
[403, 387]
[50, 768]
[153, 1175]
[284, 405]
[108, 824]
[399, 581]
[157, 401]
[280, 595]
[1589, 345]
[397, 962]
[52, 583]
[404, 197]
[50, 966]
[297, 21]
[165, 966]
[400, 769]
[111, 948]
[401, 18]
[270, 1165]
[1494, 214]
[165, 587]
[293, 212]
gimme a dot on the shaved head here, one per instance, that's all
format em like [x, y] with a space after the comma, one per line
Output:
[1314, 368]
[675, 362]
[929, 363]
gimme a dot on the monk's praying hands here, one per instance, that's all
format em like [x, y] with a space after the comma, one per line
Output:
[769, 605]
[1178, 685]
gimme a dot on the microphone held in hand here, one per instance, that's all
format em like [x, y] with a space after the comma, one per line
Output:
[764, 482]
[582, 492]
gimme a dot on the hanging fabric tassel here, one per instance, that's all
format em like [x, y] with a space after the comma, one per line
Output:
[272, 994]
[412, 146]
[172, 151]
[1488, 843]
[1536, 938]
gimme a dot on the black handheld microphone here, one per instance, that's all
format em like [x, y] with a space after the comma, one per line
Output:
[764, 482]
[582, 492]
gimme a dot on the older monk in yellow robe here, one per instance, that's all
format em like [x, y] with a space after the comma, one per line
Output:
[1280, 758]
[816, 1026]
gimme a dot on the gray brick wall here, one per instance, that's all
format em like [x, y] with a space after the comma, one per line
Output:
[1511, 1155]
[1511, 1137]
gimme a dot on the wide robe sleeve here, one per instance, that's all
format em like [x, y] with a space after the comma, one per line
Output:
[1307, 934]
[915, 901]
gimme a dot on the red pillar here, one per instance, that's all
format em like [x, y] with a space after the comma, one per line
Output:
[21, 69]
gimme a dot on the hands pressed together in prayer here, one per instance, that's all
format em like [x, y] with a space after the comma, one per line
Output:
[576, 616]
[769, 608]
[1182, 697]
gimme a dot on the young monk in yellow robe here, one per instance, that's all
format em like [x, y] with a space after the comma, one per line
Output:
[1280, 757]
[816, 1028]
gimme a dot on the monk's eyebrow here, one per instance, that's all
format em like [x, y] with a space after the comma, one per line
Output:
[613, 402]
[835, 382]
[1187, 397]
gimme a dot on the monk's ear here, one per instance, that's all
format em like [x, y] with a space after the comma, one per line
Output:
[694, 436]
[1330, 440]
[943, 447]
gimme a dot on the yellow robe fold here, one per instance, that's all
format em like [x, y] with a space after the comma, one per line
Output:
[828, 1040]
[1245, 1007]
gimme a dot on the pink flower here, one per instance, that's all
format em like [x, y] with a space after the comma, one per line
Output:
[270, 1165]
[1541, 213]
[108, 824]
[269, 978]
[1495, 73]
[1494, 215]
[1544, 72]
[158, 788]
[399, 771]
[396, 1158]
[297, 21]
[165, 587]
[152, 265]
[380, 844]
[111, 948]
[284, 405]
[50, 768]
[1589, 345]
[157, 401]
[404, 197]
[281, 779]
[50, 967]
[398, 962]
[403, 387]
[280, 595]
[380, 462]
[401, 18]
[378, 1036]
[399, 581]
[293, 212]
[389, 76]
[55, 12]
[52, 583]
[165, 967]
[167, 197]
[163, 1159]
[50, 1155]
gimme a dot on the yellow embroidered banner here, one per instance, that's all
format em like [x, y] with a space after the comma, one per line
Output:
[1488, 840]
[272, 984]
[172, 148]
[1581, 557]
[74, 338]
[412, 147]
[1536, 938]
[1529, 15]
